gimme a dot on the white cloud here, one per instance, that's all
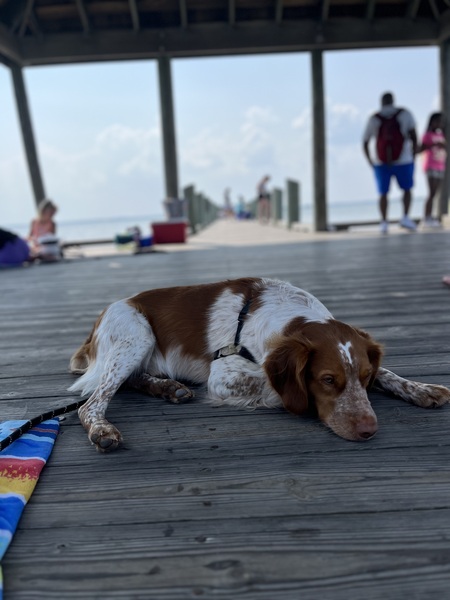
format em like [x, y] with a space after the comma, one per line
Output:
[231, 151]
[346, 111]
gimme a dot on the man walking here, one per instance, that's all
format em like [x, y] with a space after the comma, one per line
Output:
[394, 130]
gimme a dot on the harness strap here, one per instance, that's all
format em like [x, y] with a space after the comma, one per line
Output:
[241, 319]
[236, 347]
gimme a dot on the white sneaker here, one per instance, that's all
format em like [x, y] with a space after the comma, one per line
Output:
[407, 223]
[431, 223]
[384, 227]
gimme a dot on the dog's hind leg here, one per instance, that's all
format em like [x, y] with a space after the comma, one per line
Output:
[426, 395]
[123, 342]
[169, 389]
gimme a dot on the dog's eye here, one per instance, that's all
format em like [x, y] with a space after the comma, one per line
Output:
[328, 380]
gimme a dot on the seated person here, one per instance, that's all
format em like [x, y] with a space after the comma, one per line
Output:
[42, 237]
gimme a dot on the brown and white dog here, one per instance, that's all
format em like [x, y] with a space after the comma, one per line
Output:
[255, 342]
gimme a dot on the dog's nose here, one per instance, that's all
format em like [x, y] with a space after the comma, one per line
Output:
[366, 428]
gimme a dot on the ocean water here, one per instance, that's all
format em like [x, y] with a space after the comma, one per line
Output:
[96, 229]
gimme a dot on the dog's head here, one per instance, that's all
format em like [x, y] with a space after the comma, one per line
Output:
[328, 366]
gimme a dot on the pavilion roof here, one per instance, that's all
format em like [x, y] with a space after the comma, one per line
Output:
[35, 32]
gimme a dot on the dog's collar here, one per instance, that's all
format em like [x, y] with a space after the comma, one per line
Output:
[236, 347]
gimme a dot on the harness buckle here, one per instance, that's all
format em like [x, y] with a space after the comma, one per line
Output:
[229, 350]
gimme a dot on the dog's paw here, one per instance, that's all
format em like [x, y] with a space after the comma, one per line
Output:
[428, 395]
[105, 437]
[176, 392]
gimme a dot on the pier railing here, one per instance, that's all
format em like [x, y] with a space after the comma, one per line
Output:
[201, 210]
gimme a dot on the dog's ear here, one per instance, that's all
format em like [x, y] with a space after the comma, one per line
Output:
[285, 369]
[374, 353]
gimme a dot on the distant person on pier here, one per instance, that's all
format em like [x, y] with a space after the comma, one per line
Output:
[394, 130]
[42, 237]
[227, 205]
[263, 200]
[434, 147]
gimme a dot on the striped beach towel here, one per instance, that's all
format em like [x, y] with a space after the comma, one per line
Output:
[20, 466]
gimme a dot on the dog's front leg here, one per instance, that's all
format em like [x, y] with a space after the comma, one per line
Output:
[169, 389]
[426, 395]
[123, 359]
[237, 381]
[100, 431]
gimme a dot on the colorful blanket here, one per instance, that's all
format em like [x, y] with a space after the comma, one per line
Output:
[20, 466]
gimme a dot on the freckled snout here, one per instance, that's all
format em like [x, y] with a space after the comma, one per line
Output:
[354, 421]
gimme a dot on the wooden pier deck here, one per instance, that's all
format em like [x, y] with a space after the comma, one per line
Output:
[216, 503]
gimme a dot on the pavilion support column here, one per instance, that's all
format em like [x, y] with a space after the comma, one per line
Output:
[27, 133]
[319, 154]
[168, 127]
[445, 107]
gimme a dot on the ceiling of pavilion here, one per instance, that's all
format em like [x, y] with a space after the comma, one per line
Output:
[35, 32]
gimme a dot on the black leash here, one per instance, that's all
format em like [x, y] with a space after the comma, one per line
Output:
[15, 435]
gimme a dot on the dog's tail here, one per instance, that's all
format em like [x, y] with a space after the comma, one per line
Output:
[79, 363]
[84, 363]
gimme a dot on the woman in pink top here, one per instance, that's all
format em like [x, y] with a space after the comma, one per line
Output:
[434, 146]
[42, 227]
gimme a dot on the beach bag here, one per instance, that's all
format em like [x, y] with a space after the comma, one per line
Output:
[49, 248]
[390, 139]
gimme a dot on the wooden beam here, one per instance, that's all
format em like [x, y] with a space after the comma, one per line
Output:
[33, 24]
[135, 15]
[325, 10]
[279, 12]
[9, 47]
[84, 17]
[183, 14]
[435, 10]
[444, 195]
[412, 8]
[27, 133]
[25, 16]
[168, 126]
[370, 9]
[232, 12]
[319, 143]
[225, 40]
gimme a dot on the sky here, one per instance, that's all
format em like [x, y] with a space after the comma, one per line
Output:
[98, 134]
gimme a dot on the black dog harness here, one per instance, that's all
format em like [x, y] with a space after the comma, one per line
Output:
[236, 347]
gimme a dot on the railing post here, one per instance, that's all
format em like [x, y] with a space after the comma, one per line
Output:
[189, 194]
[293, 202]
[276, 205]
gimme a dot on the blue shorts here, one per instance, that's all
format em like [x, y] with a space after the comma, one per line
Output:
[404, 175]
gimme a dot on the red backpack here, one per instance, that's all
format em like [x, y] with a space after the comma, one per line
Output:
[390, 139]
